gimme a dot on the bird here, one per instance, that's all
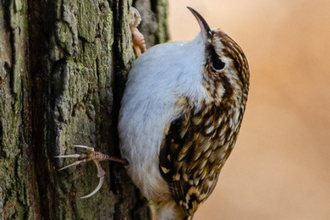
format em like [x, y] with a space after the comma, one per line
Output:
[179, 119]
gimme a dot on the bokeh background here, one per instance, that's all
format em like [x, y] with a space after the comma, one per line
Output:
[280, 167]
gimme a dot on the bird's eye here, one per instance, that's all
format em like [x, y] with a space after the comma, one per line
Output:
[218, 65]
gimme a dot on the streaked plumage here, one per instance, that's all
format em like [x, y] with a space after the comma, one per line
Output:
[180, 116]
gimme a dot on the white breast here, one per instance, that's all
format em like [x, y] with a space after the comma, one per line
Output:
[158, 78]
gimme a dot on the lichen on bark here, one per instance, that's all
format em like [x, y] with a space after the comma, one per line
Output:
[63, 66]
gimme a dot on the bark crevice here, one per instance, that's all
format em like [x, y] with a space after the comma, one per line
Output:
[63, 66]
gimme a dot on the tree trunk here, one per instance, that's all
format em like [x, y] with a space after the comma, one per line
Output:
[63, 67]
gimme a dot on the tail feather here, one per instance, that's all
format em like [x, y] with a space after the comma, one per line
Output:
[169, 211]
[189, 217]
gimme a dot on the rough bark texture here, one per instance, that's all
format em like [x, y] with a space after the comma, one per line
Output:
[63, 66]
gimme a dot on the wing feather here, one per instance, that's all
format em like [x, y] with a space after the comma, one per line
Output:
[185, 161]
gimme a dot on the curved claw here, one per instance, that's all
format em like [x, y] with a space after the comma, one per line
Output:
[71, 165]
[84, 147]
[95, 190]
[94, 156]
[137, 37]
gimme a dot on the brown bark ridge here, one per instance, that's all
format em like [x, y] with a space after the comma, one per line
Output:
[63, 66]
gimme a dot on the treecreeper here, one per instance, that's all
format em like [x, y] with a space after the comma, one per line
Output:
[179, 119]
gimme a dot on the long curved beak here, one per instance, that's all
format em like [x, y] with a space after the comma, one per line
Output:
[205, 29]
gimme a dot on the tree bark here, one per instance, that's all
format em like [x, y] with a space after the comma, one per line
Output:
[63, 67]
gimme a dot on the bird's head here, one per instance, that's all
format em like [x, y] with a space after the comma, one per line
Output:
[226, 70]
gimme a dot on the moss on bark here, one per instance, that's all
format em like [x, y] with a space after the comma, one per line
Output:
[63, 65]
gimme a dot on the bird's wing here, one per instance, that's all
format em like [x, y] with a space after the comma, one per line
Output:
[189, 160]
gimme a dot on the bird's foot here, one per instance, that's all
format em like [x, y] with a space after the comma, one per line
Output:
[95, 156]
[137, 36]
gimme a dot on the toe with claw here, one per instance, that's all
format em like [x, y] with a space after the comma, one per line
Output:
[95, 156]
[137, 36]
